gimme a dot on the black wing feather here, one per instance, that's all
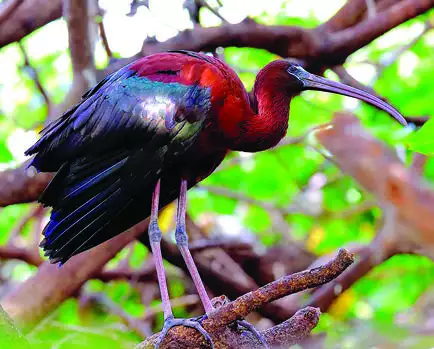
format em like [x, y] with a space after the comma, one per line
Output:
[108, 152]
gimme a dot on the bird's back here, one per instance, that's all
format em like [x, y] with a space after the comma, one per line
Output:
[147, 121]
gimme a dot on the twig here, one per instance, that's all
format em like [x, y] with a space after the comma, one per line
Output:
[21, 185]
[33, 213]
[135, 4]
[226, 245]
[138, 326]
[222, 191]
[282, 287]
[104, 39]
[398, 52]
[7, 8]
[215, 12]
[34, 75]
[20, 253]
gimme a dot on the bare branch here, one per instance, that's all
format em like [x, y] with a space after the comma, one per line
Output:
[80, 16]
[104, 39]
[215, 12]
[34, 75]
[29, 16]
[8, 8]
[293, 330]
[21, 185]
[217, 321]
[345, 42]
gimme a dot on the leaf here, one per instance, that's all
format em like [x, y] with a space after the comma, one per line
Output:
[422, 141]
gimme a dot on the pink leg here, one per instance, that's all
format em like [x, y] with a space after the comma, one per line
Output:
[155, 239]
[182, 242]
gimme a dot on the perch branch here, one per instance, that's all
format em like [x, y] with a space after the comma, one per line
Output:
[218, 320]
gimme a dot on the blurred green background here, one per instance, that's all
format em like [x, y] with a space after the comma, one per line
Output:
[380, 308]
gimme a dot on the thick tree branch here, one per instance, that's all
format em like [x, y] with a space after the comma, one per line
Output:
[216, 323]
[82, 30]
[317, 47]
[29, 16]
[342, 44]
[8, 8]
[20, 185]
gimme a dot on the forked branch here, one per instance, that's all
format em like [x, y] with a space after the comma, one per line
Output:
[296, 328]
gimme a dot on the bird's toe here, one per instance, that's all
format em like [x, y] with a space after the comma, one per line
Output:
[192, 323]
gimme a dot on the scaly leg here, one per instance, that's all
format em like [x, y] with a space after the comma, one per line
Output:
[182, 242]
[155, 239]
[181, 238]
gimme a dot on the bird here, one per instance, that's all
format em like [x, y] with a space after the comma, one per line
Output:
[149, 132]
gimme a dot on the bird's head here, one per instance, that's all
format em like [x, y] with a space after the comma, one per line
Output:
[293, 79]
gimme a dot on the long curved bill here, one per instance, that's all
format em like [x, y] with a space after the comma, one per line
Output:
[314, 82]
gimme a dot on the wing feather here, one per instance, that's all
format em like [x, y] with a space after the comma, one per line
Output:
[109, 151]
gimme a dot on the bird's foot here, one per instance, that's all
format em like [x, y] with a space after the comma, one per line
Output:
[247, 326]
[222, 300]
[193, 323]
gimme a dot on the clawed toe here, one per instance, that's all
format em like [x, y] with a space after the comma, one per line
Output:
[193, 323]
[249, 327]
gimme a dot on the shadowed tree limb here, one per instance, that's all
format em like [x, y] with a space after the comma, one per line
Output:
[216, 323]
[29, 16]
[21, 185]
[8, 8]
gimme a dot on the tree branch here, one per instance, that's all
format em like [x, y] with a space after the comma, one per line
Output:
[29, 16]
[216, 323]
[34, 75]
[340, 45]
[21, 184]
[82, 31]
[8, 8]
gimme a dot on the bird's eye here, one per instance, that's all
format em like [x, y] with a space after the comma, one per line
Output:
[293, 69]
